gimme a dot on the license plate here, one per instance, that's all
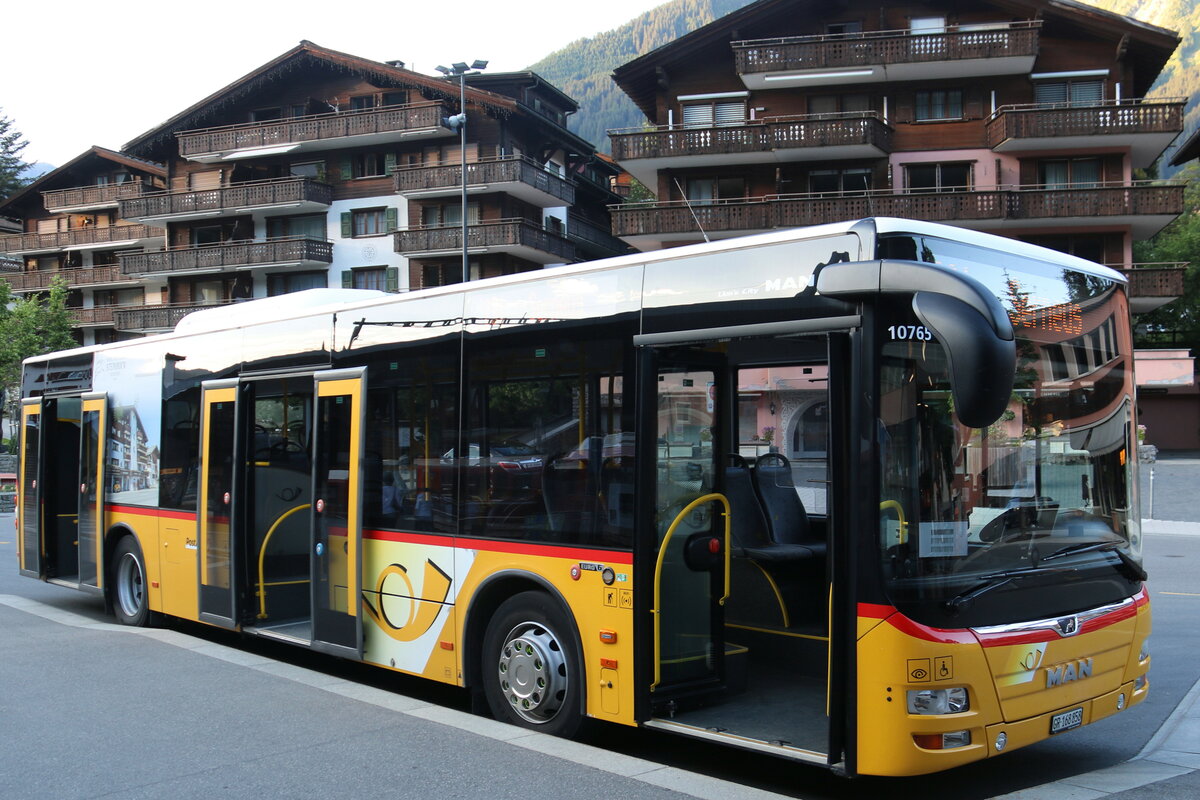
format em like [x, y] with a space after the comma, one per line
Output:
[1066, 720]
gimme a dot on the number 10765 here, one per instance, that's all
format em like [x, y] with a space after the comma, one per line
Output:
[906, 333]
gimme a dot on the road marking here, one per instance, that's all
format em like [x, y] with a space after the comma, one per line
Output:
[682, 781]
[1181, 594]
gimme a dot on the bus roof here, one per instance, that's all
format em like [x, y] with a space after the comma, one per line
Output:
[332, 301]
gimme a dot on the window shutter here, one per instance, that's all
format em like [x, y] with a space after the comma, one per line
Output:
[347, 224]
[345, 168]
[1086, 93]
[1050, 92]
[698, 116]
[347, 279]
[393, 219]
[389, 163]
[731, 113]
[392, 279]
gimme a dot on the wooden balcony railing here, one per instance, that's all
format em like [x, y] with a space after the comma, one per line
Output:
[1102, 200]
[754, 136]
[91, 196]
[886, 47]
[785, 211]
[507, 233]
[87, 276]
[1102, 119]
[97, 315]
[509, 169]
[26, 242]
[593, 239]
[232, 254]
[159, 317]
[1163, 279]
[249, 194]
[317, 127]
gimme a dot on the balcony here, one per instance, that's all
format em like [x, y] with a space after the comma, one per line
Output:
[278, 196]
[650, 224]
[962, 52]
[818, 137]
[90, 198]
[154, 319]
[520, 177]
[592, 240]
[1144, 208]
[518, 237]
[1154, 285]
[87, 277]
[316, 132]
[1145, 126]
[284, 252]
[90, 238]
[95, 317]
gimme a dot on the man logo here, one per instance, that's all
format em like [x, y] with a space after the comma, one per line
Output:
[1067, 673]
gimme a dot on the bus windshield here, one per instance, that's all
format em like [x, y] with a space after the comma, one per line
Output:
[1035, 515]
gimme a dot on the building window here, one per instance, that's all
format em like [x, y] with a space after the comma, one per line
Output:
[939, 104]
[843, 28]
[434, 216]
[363, 102]
[706, 190]
[288, 282]
[839, 103]
[935, 177]
[395, 98]
[308, 169]
[265, 114]
[370, 278]
[1073, 93]
[371, 165]
[839, 181]
[310, 226]
[1073, 173]
[708, 114]
[370, 221]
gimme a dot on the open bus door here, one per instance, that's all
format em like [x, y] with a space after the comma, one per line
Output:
[685, 546]
[337, 513]
[62, 482]
[220, 487]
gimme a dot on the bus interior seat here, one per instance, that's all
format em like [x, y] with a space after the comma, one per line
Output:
[748, 526]
[787, 521]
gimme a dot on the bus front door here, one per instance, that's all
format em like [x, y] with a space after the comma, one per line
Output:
[685, 538]
[337, 513]
[93, 423]
[219, 497]
[30, 548]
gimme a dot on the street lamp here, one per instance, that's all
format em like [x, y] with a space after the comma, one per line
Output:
[459, 121]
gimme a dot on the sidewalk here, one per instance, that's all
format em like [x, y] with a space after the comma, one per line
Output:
[1168, 768]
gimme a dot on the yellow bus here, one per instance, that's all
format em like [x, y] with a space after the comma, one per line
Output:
[861, 495]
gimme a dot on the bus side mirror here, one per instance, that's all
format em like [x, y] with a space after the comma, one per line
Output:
[983, 365]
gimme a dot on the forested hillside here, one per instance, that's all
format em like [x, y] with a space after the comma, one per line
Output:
[583, 68]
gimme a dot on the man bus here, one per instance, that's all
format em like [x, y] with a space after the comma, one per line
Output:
[860, 495]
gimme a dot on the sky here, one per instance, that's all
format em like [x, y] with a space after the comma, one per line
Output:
[82, 74]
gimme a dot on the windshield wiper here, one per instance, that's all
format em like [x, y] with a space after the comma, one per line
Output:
[1127, 565]
[988, 582]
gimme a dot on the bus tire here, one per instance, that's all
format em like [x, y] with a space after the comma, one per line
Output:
[130, 599]
[531, 666]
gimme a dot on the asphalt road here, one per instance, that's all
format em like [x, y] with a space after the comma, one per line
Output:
[173, 723]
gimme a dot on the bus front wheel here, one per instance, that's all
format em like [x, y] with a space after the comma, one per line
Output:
[131, 603]
[531, 670]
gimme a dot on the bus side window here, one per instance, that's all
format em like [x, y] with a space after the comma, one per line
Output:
[180, 451]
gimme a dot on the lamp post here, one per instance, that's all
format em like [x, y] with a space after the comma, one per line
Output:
[459, 121]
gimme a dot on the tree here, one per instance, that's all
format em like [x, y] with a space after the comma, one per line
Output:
[11, 165]
[30, 326]
[1177, 324]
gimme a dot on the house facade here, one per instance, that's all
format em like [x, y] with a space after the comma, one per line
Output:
[1025, 118]
[323, 169]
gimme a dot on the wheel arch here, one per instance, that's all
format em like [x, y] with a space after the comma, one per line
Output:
[114, 534]
[483, 605]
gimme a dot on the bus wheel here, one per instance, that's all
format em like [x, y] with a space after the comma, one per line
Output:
[530, 667]
[130, 601]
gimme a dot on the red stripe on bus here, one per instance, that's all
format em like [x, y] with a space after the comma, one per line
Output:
[875, 611]
[150, 512]
[515, 548]
[930, 634]
[1050, 635]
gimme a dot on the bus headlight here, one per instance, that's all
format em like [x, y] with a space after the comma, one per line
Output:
[938, 701]
[1145, 652]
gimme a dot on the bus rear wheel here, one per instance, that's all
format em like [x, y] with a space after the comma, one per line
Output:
[530, 666]
[130, 600]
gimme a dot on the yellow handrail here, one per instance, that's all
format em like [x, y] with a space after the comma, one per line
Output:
[899, 509]
[662, 551]
[262, 557]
